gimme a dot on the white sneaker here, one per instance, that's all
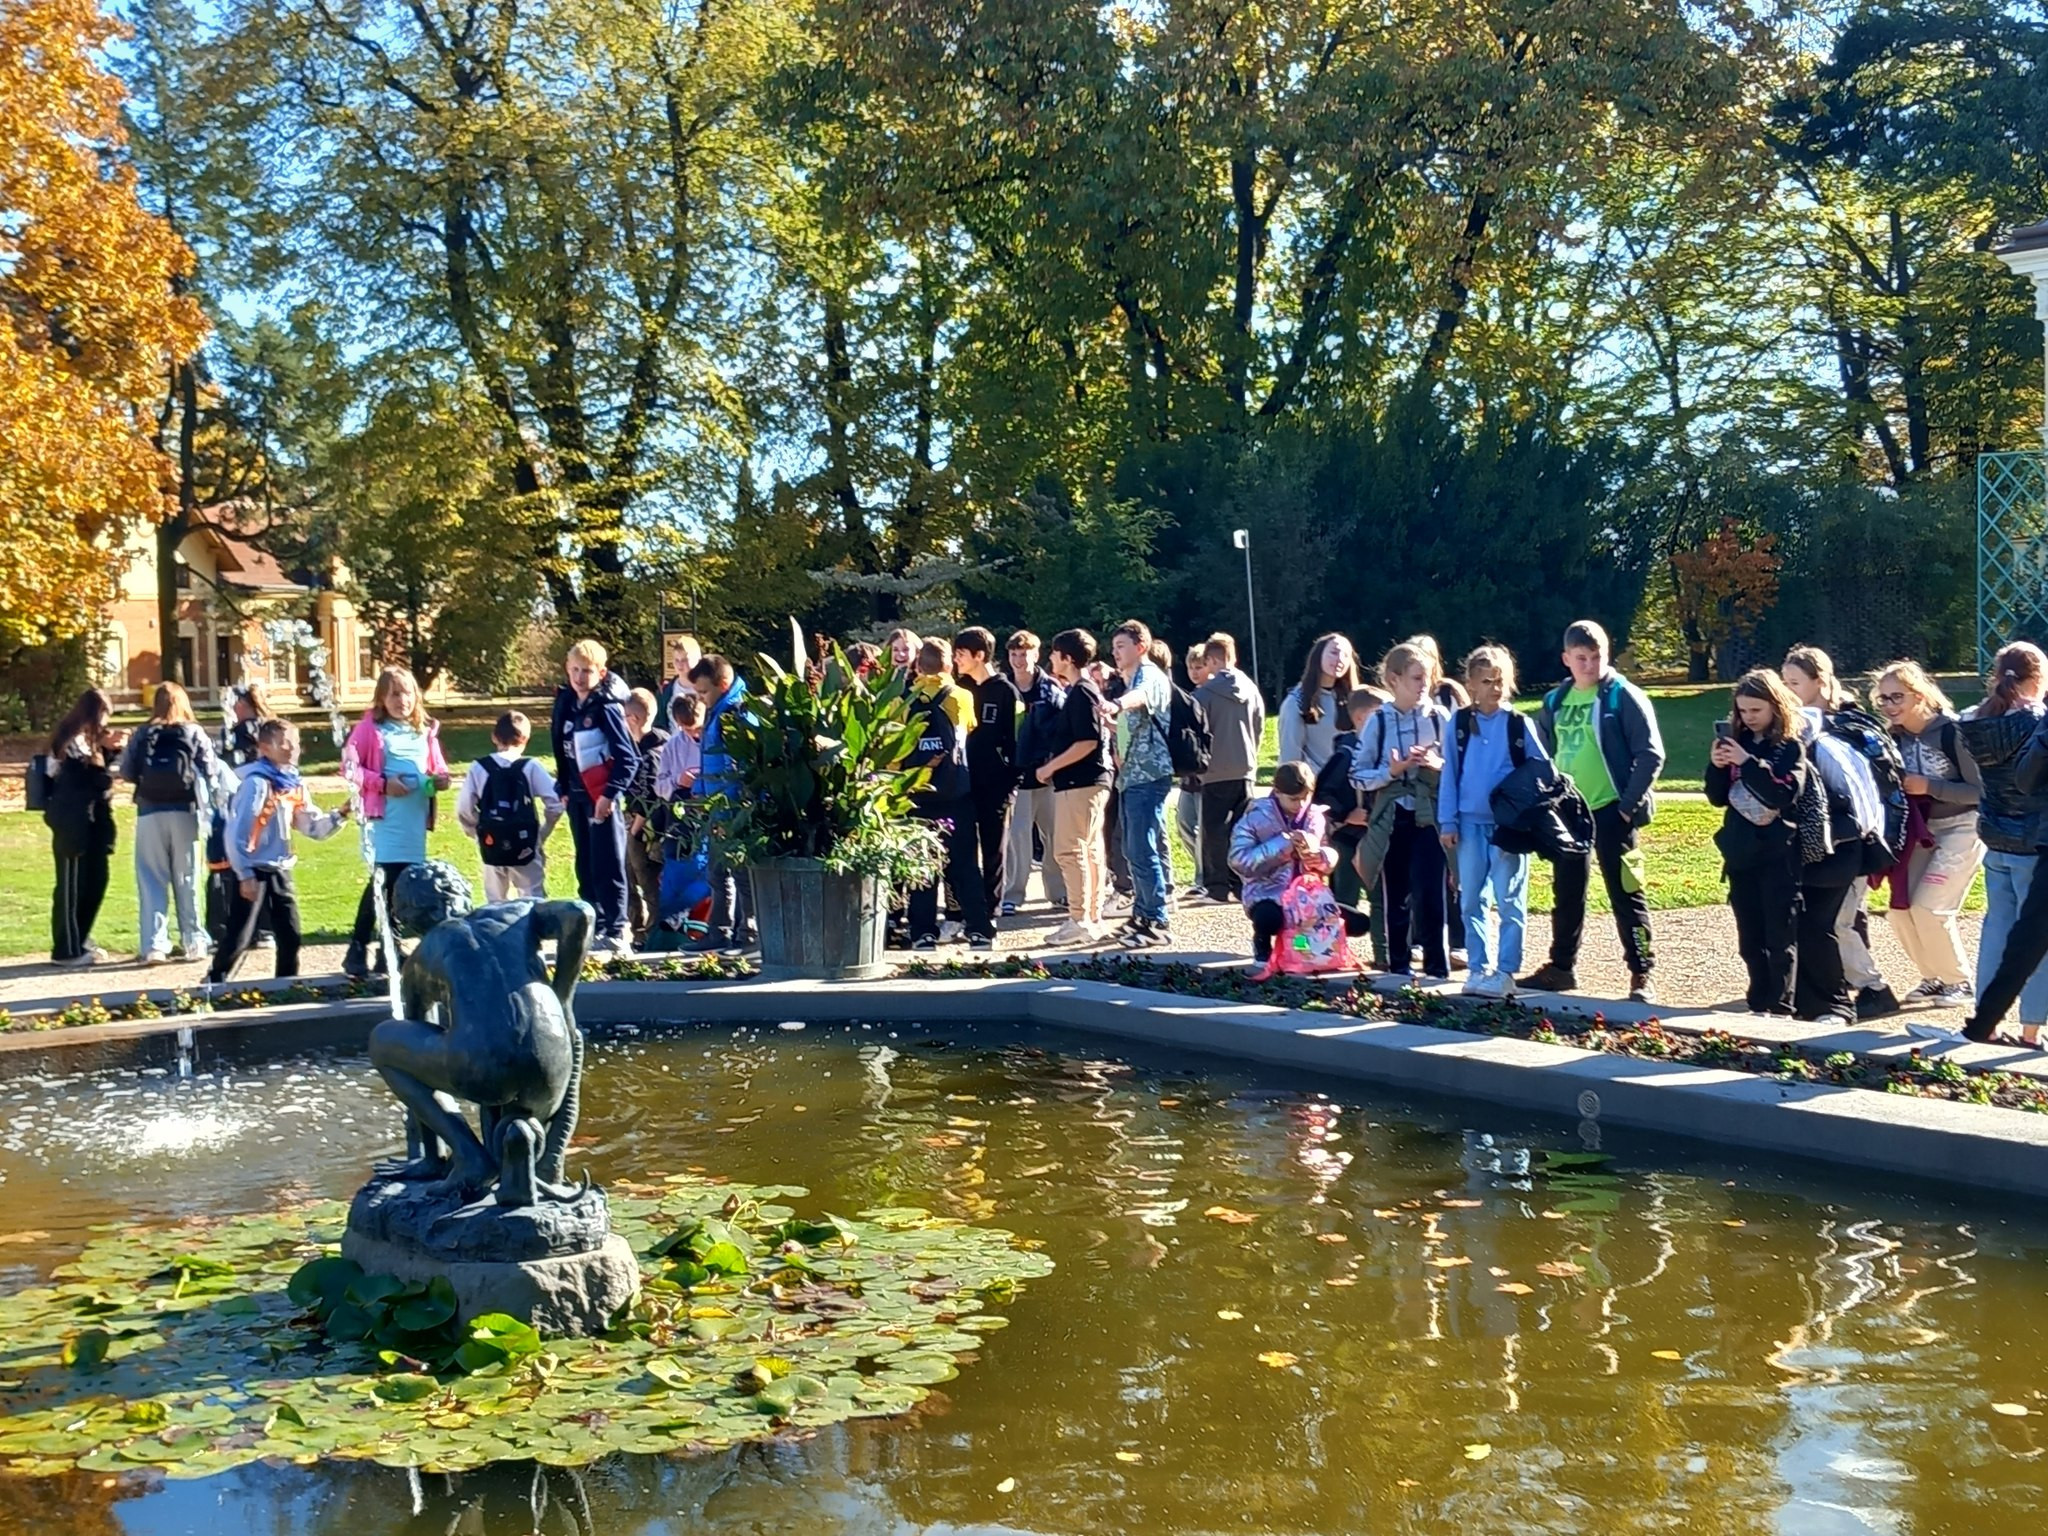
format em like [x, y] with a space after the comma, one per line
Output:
[1114, 902]
[951, 932]
[1928, 990]
[1071, 932]
[154, 957]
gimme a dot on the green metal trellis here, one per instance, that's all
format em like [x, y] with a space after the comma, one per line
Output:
[2012, 551]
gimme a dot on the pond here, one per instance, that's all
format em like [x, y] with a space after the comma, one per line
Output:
[1272, 1310]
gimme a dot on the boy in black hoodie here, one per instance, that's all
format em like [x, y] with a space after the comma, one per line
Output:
[991, 756]
[595, 760]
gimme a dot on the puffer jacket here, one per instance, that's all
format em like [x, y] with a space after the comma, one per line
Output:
[2009, 818]
[1260, 853]
[601, 711]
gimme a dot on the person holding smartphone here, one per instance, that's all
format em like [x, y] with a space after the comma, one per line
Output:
[1754, 773]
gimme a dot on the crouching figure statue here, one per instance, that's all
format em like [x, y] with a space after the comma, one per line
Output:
[485, 1024]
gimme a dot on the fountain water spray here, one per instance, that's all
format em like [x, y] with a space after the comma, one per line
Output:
[286, 636]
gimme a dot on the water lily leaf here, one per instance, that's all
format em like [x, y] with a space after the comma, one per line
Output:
[323, 1282]
[668, 1373]
[406, 1388]
[724, 1259]
[88, 1350]
[419, 1314]
[147, 1414]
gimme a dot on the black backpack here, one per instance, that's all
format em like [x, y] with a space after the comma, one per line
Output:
[169, 770]
[1188, 741]
[1518, 736]
[507, 820]
[941, 749]
[1333, 791]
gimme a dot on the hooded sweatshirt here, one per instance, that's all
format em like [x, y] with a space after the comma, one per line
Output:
[594, 752]
[1237, 719]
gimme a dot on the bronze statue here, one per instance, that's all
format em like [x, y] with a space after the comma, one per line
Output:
[484, 1023]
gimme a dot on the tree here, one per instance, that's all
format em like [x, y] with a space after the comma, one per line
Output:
[89, 323]
[429, 527]
[1725, 587]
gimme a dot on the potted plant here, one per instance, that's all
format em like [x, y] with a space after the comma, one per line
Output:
[822, 817]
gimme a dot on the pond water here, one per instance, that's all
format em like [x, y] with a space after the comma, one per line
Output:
[1451, 1342]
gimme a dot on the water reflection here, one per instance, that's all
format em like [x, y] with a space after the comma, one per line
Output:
[1653, 1345]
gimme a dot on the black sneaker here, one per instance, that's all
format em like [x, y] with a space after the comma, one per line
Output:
[1550, 978]
[1878, 1002]
[1136, 934]
[929, 941]
[356, 963]
[981, 941]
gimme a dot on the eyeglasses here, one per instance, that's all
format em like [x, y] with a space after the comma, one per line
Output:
[1891, 698]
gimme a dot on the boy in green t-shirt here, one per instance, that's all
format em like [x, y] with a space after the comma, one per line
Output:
[1602, 731]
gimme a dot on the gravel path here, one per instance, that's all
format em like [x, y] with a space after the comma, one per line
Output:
[1697, 963]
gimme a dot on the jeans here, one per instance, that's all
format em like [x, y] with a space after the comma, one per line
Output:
[1488, 877]
[1621, 869]
[1222, 804]
[2008, 923]
[1033, 808]
[167, 870]
[1143, 810]
[1187, 827]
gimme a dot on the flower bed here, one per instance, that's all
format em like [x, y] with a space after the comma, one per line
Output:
[1914, 1073]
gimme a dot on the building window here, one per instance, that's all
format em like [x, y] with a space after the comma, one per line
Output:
[367, 660]
[283, 666]
[183, 576]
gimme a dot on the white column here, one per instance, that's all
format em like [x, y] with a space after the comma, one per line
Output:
[2040, 277]
[2027, 254]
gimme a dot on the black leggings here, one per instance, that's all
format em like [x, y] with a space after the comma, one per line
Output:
[365, 932]
[1821, 990]
[1413, 876]
[75, 903]
[1267, 921]
[1765, 900]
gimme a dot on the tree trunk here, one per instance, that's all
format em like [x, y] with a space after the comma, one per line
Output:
[171, 532]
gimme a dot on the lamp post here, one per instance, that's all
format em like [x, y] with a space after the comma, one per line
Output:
[1241, 538]
[2027, 254]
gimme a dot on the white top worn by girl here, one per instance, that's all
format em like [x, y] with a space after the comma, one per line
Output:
[1389, 733]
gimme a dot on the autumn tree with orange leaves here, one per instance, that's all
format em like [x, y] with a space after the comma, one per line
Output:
[90, 324]
[1725, 586]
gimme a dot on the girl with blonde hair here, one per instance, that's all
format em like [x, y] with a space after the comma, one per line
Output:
[172, 766]
[394, 760]
[1943, 851]
[1398, 760]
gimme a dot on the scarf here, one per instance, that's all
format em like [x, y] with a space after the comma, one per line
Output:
[285, 791]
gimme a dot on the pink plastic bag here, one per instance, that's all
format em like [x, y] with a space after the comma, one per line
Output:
[1312, 940]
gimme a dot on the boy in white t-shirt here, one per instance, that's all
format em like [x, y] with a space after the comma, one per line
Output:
[509, 819]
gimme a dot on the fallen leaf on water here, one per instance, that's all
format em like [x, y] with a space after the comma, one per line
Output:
[1007, 1485]
[1407, 1482]
[1553, 1215]
[24, 1237]
[1229, 1316]
[2010, 1410]
[1341, 1280]
[1225, 1213]
[1332, 1237]
[1514, 1288]
[942, 1141]
[1279, 1359]
[1444, 1263]
[1560, 1267]
[1169, 1103]
[1386, 1215]
[1039, 1172]
[1478, 1452]
[1497, 1272]
[1129, 1456]
[1734, 1223]
[1665, 1354]
[1461, 1205]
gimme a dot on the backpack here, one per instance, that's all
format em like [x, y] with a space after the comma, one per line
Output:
[169, 773]
[507, 820]
[1188, 741]
[1878, 754]
[1812, 824]
[1518, 737]
[941, 749]
[1333, 789]
[1039, 730]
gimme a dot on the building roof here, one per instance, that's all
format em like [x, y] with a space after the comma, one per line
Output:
[242, 565]
[2034, 237]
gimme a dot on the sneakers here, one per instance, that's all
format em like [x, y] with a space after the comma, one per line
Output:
[1116, 901]
[982, 941]
[1955, 994]
[1491, 984]
[154, 957]
[1640, 990]
[1071, 932]
[1009, 909]
[951, 932]
[356, 963]
[1928, 991]
[1260, 970]
[1201, 898]
[1143, 933]
[927, 941]
[1550, 978]
[1878, 1002]
[77, 962]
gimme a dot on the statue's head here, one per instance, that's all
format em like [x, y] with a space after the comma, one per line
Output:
[427, 894]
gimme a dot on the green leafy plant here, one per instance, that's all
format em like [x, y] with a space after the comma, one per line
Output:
[820, 757]
[411, 1325]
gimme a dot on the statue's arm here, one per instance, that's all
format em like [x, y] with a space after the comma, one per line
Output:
[418, 992]
[568, 923]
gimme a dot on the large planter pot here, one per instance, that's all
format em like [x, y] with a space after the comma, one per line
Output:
[815, 925]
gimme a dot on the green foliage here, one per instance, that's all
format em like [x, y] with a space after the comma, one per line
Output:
[819, 755]
[112, 1367]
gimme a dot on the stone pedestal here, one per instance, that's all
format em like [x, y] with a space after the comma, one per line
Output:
[565, 1296]
[556, 1264]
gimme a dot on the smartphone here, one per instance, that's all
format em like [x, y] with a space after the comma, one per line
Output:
[1723, 730]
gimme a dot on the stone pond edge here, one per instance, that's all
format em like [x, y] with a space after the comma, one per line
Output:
[1978, 1146]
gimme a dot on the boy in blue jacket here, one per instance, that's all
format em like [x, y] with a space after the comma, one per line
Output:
[595, 760]
[270, 804]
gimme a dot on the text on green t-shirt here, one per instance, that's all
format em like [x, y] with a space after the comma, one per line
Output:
[1578, 748]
